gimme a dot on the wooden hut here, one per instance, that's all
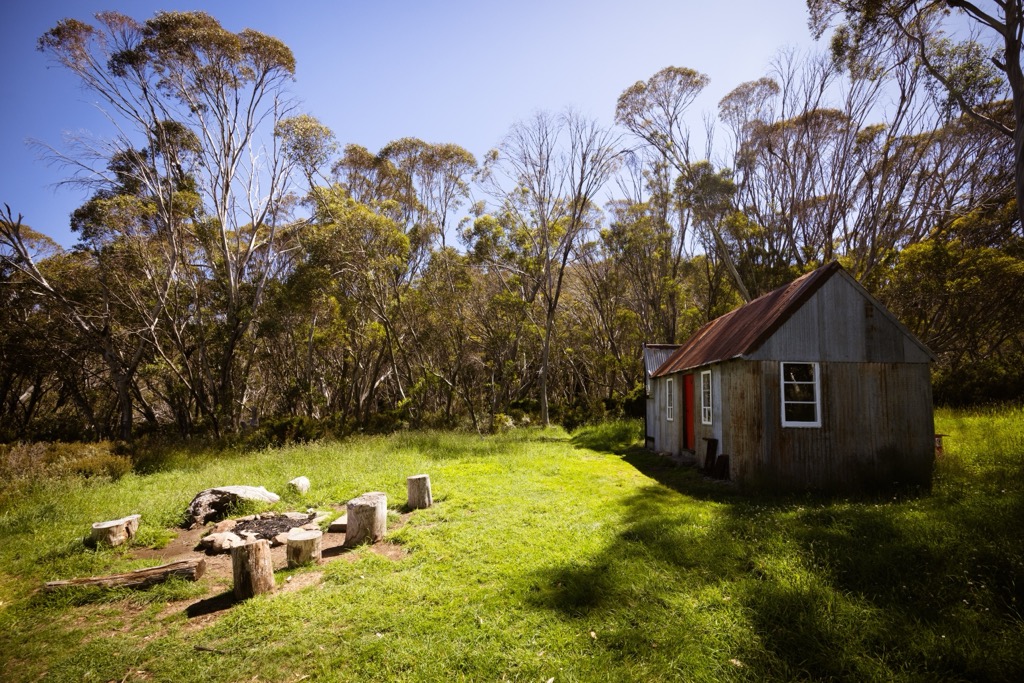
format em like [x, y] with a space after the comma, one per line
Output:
[812, 386]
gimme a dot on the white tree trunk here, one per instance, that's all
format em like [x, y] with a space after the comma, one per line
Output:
[367, 518]
[419, 496]
[252, 569]
[304, 547]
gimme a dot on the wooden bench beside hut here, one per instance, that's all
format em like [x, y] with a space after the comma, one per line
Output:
[812, 386]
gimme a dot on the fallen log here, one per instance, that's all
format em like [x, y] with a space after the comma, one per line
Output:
[191, 570]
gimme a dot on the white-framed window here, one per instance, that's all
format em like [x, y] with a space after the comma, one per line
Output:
[801, 394]
[705, 397]
[670, 399]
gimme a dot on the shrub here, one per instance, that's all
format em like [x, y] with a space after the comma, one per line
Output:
[282, 431]
[502, 423]
[100, 464]
[31, 461]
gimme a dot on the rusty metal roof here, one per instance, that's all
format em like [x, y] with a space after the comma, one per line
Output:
[743, 330]
[656, 354]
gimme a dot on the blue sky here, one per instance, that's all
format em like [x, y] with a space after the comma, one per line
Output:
[457, 71]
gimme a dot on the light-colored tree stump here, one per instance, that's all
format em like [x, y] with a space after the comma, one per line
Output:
[304, 547]
[252, 569]
[191, 570]
[419, 492]
[115, 532]
[367, 518]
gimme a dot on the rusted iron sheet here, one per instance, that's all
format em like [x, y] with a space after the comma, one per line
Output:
[656, 354]
[742, 331]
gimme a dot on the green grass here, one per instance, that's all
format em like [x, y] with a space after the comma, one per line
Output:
[547, 555]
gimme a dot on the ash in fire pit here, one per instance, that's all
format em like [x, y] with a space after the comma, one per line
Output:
[231, 533]
[269, 527]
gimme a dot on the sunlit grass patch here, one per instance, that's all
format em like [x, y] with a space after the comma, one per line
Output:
[548, 555]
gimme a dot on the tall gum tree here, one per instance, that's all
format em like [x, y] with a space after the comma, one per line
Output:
[655, 111]
[224, 92]
[545, 177]
[958, 66]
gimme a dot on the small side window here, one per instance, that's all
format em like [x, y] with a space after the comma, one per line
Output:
[705, 397]
[670, 400]
[801, 395]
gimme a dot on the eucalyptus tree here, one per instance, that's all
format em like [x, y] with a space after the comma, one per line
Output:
[655, 111]
[852, 165]
[437, 175]
[31, 325]
[544, 178]
[969, 72]
[203, 102]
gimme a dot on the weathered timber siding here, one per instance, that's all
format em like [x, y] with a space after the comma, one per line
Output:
[877, 427]
[842, 323]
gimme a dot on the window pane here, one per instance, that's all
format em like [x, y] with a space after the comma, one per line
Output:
[799, 392]
[798, 372]
[800, 412]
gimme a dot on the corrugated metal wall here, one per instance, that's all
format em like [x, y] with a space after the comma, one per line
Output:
[842, 323]
[877, 427]
[665, 432]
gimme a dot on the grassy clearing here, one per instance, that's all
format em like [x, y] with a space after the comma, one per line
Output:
[546, 556]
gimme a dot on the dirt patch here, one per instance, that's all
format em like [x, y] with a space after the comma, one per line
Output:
[218, 577]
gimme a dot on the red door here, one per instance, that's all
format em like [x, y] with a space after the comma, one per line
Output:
[688, 437]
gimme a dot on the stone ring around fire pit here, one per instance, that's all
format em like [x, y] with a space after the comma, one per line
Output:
[273, 527]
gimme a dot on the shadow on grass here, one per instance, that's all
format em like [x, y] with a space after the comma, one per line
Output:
[212, 605]
[618, 436]
[808, 587]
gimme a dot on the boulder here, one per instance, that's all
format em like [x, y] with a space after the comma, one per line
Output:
[221, 542]
[212, 505]
[223, 525]
[299, 484]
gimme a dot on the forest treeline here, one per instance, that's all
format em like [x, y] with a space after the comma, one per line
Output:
[238, 266]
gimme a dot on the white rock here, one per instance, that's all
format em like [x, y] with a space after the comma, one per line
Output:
[339, 526]
[223, 525]
[222, 542]
[299, 484]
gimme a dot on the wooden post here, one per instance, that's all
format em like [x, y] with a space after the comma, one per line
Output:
[419, 496]
[115, 532]
[304, 547]
[252, 569]
[367, 518]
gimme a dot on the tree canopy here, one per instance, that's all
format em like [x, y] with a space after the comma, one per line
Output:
[241, 269]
